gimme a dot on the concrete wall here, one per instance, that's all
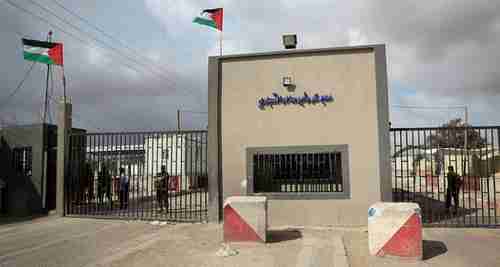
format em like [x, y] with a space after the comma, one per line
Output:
[358, 117]
[25, 194]
[36, 194]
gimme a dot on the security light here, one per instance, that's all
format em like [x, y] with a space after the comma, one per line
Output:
[290, 41]
[287, 81]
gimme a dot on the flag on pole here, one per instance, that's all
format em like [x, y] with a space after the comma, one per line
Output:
[43, 52]
[211, 17]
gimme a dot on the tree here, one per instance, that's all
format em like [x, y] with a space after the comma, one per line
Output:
[452, 135]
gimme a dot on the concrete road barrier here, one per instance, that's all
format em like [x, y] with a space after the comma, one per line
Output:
[395, 229]
[245, 219]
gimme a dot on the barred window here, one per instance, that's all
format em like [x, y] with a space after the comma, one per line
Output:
[305, 170]
[22, 160]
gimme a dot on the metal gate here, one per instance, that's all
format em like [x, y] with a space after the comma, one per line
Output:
[166, 173]
[420, 161]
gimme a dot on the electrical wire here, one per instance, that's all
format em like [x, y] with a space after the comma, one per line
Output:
[51, 97]
[427, 107]
[103, 32]
[18, 87]
[100, 41]
[78, 117]
[446, 109]
[72, 35]
[76, 37]
[193, 112]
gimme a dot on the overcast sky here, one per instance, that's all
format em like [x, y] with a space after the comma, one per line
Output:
[440, 53]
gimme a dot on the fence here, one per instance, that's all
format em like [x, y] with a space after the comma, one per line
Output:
[421, 158]
[166, 171]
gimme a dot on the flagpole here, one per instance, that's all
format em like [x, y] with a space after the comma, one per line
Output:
[44, 129]
[220, 42]
[64, 84]
[49, 38]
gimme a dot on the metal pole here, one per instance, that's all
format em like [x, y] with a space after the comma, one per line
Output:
[49, 38]
[64, 84]
[220, 43]
[179, 119]
[466, 115]
[466, 124]
[44, 133]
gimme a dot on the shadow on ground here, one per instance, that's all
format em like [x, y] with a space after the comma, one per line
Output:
[6, 219]
[274, 236]
[433, 210]
[432, 248]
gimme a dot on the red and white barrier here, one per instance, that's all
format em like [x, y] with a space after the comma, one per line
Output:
[245, 219]
[395, 229]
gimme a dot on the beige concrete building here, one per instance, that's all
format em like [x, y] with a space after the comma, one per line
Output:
[307, 128]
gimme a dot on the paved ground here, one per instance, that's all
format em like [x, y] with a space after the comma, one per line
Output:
[72, 242]
[454, 247]
[89, 242]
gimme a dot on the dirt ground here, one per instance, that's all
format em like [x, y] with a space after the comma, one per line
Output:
[89, 242]
[54, 242]
[454, 247]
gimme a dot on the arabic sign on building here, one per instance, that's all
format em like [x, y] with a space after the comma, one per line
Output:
[277, 99]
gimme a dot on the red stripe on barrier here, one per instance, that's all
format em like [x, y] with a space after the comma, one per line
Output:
[407, 242]
[235, 227]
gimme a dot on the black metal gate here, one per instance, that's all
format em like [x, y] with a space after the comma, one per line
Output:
[420, 163]
[138, 175]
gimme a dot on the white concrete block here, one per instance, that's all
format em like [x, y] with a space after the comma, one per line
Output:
[395, 229]
[245, 218]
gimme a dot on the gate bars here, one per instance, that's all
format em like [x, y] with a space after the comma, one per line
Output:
[420, 158]
[167, 173]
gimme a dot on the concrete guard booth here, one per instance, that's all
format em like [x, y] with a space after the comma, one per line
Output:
[28, 155]
[309, 129]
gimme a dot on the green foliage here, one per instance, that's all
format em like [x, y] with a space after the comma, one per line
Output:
[452, 135]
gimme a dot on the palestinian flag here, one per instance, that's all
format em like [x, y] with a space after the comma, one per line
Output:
[211, 18]
[43, 52]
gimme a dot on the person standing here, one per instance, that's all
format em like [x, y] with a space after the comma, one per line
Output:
[104, 186]
[3, 196]
[452, 189]
[124, 188]
[162, 189]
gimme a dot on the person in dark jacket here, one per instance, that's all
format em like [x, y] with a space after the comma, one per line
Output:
[162, 189]
[452, 189]
[124, 189]
[104, 186]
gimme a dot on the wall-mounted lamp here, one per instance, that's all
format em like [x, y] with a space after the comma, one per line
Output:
[287, 81]
[290, 41]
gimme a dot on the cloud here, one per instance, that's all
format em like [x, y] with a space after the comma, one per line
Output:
[445, 53]
[356, 37]
[451, 45]
[174, 15]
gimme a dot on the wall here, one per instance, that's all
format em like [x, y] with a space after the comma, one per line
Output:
[35, 194]
[358, 117]
[25, 194]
